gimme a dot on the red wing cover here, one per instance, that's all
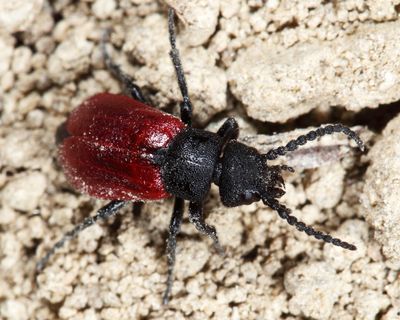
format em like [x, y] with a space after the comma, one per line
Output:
[112, 139]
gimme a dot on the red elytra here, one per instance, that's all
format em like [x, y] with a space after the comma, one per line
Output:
[111, 141]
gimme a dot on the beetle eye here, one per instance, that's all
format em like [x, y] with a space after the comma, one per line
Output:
[249, 197]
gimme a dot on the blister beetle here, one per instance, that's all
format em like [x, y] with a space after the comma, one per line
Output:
[121, 149]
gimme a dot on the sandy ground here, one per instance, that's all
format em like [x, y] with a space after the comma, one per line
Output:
[277, 66]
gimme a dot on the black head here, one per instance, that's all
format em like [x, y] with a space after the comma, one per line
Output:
[245, 176]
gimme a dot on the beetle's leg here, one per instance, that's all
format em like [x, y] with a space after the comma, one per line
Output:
[285, 213]
[229, 130]
[312, 135]
[197, 218]
[137, 209]
[103, 213]
[186, 105]
[174, 228]
[133, 89]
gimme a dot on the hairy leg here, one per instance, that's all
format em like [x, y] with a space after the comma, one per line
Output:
[229, 130]
[186, 105]
[128, 82]
[174, 228]
[103, 213]
[196, 217]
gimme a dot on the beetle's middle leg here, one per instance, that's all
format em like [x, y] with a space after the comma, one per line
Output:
[174, 228]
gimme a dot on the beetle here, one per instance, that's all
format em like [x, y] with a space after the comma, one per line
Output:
[121, 149]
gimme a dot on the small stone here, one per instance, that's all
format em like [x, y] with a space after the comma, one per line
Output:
[7, 80]
[23, 192]
[200, 18]
[14, 309]
[230, 8]
[29, 103]
[18, 148]
[192, 258]
[7, 215]
[22, 60]
[19, 15]
[351, 231]
[104, 8]
[71, 58]
[326, 186]
[369, 303]
[88, 241]
[315, 288]
[6, 53]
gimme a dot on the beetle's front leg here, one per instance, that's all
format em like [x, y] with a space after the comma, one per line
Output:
[229, 130]
[186, 105]
[196, 217]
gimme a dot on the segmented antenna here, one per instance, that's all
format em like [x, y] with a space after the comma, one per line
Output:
[312, 135]
[285, 213]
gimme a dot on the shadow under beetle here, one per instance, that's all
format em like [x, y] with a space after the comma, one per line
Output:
[121, 149]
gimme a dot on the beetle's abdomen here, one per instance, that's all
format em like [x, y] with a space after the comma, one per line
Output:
[111, 143]
[189, 163]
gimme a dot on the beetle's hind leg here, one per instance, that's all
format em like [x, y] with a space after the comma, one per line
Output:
[186, 105]
[103, 213]
[134, 90]
[174, 228]
[196, 217]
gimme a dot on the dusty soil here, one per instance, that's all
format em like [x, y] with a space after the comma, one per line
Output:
[279, 67]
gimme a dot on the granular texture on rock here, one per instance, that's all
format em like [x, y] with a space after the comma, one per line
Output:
[315, 288]
[19, 15]
[200, 18]
[361, 69]
[382, 190]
